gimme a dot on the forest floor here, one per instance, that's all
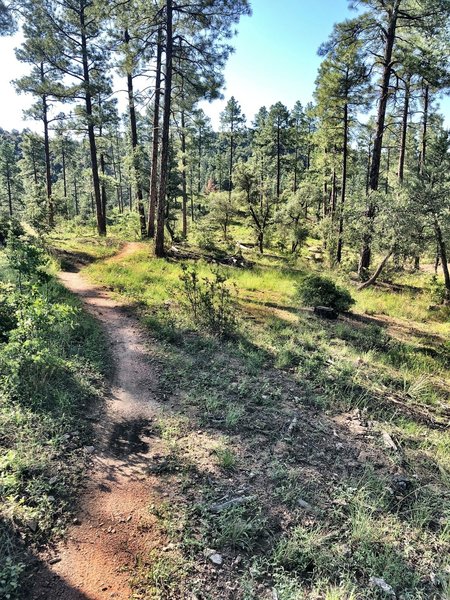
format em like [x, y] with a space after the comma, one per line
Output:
[108, 532]
[300, 459]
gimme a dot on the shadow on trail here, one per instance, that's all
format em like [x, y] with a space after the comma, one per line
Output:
[36, 570]
[126, 438]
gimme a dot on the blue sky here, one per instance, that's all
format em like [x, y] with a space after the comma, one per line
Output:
[276, 53]
[275, 59]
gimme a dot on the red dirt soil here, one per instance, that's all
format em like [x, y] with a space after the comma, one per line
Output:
[113, 525]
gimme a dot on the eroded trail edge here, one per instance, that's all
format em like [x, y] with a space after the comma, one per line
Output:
[111, 527]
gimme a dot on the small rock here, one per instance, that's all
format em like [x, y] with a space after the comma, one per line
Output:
[221, 506]
[388, 441]
[216, 559]
[54, 560]
[32, 524]
[53, 480]
[303, 504]
[339, 446]
[363, 456]
[89, 449]
[382, 585]
[401, 484]
[76, 521]
[213, 556]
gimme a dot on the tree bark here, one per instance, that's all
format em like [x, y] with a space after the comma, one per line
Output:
[63, 156]
[75, 196]
[48, 174]
[333, 193]
[444, 261]
[134, 145]
[8, 185]
[153, 197]
[390, 34]
[103, 186]
[402, 156]
[101, 220]
[230, 166]
[183, 175]
[377, 273]
[426, 102]
[278, 159]
[343, 185]
[165, 141]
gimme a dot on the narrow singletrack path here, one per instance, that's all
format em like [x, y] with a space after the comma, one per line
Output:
[113, 525]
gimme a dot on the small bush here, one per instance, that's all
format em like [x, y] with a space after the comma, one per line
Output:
[240, 527]
[437, 290]
[226, 459]
[314, 290]
[9, 227]
[8, 307]
[209, 302]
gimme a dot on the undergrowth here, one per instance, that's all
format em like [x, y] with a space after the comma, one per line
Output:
[324, 509]
[52, 357]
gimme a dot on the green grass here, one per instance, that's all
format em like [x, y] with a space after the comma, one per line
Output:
[52, 367]
[391, 365]
[226, 459]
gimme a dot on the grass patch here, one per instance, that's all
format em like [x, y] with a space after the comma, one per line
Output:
[52, 362]
[282, 389]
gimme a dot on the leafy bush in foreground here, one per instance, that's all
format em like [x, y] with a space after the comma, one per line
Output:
[51, 358]
[314, 290]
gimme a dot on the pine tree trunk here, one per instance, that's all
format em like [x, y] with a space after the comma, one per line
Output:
[119, 172]
[343, 185]
[8, 185]
[230, 166]
[183, 175]
[365, 257]
[103, 187]
[426, 102]
[388, 170]
[134, 146]
[402, 156]
[377, 273]
[333, 193]
[165, 141]
[153, 197]
[101, 220]
[199, 164]
[63, 156]
[278, 162]
[444, 261]
[75, 196]
[48, 174]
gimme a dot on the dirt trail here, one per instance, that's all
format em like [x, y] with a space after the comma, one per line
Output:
[112, 525]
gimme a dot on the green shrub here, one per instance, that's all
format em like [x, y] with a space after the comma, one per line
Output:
[8, 227]
[437, 290]
[209, 302]
[51, 356]
[314, 290]
[8, 307]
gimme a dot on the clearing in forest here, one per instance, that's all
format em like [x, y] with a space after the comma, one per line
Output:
[297, 458]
